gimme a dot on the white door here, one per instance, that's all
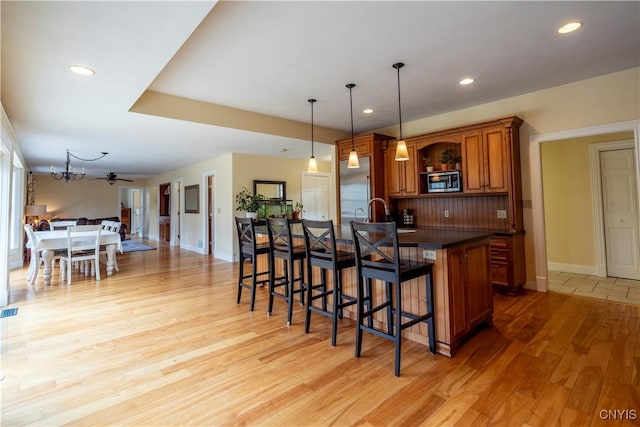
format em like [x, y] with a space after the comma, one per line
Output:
[620, 212]
[315, 196]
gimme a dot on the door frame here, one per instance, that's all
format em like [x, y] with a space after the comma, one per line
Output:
[205, 217]
[176, 211]
[598, 208]
[143, 212]
[537, 202]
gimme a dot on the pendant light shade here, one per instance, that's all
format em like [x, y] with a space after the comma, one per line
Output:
[353, 155]
[402, 154]
[313, 166]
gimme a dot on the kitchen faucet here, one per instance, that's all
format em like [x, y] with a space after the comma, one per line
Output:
[386, 209]
[355, 213]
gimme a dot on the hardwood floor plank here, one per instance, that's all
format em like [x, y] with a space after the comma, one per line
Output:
[164, 343]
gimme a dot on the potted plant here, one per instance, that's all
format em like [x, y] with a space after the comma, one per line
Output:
[457, 160]
[297, 210]
[446, 157]
[248, 202]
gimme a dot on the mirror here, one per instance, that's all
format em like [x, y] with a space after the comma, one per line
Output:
[272, 190]
[191, 198]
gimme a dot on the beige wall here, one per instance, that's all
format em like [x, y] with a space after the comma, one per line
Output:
[568, 201]
[231, 172]
[607, 99]
[86, 198]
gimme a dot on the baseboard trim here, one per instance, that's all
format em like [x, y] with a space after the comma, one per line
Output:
[588, 270]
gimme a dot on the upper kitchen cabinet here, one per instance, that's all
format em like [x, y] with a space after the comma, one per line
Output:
[402, 177]
[358, 186]
[485, 154]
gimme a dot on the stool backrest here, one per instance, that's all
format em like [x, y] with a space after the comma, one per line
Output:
[377, 252]
[280, 238]
[246, 234]
[319, 239]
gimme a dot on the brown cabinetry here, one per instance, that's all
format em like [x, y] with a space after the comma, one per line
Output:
[402, 177]
[125, 218]
[469, 285]
[507, 263]
[485, 157]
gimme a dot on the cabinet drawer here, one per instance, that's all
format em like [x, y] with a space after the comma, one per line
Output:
[499, 273]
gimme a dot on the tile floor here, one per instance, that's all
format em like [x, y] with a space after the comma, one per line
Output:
[609, 288]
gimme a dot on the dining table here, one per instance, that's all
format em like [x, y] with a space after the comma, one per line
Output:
[48, 242]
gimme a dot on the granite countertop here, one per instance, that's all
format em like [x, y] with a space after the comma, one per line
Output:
[427, 238]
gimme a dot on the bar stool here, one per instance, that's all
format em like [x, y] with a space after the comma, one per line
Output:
[378, 257]
[283, 248]
[320, 244]
[249, 250]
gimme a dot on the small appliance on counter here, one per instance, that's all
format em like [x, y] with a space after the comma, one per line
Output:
[444, 182]
[407, 219]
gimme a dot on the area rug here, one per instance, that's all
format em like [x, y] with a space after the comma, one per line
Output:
[134, 246]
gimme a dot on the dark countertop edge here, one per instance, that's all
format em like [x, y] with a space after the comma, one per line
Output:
[426, 238]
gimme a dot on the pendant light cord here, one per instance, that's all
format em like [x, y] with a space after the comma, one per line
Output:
[311, 101]
[397, 66]
[351, 86]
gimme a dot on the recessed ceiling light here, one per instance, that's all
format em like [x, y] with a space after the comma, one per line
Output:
[466, 81]
[570, 27]
[81, 69]
[368, 110]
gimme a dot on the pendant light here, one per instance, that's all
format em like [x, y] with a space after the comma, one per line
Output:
[313, 166]
[401, 148]
[353, 155]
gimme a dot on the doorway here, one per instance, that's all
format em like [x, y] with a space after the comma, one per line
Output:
[164, 212]
[616, 208]
[130, 200]
[209, 217]
[537, 202]
[315, 195]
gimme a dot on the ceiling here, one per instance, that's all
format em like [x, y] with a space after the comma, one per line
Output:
[180, 82]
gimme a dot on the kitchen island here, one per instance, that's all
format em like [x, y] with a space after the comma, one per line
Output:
[461, 281]
[461, 278]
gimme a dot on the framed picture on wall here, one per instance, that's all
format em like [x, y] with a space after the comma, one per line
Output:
[192, 198]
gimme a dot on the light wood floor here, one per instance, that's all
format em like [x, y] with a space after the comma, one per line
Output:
[163, 343]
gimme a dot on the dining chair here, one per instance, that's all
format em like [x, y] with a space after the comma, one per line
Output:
[62, 225]
[109, 226]
[83, 244]
[106, 224]
[378, 258]
[34, 262]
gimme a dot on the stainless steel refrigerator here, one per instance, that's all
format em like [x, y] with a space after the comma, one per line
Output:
[355, 191]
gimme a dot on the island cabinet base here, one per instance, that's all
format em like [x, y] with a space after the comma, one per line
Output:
[462, 292]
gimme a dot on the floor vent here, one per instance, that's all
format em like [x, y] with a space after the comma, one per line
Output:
[9, 312]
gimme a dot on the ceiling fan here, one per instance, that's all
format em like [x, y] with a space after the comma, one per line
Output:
[112, 178]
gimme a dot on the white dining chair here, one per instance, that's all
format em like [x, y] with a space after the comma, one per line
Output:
[115, 227]
[61, 225]
[34, 263]
[83, 244]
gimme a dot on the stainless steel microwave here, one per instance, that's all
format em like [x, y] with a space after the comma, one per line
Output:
[444, 182]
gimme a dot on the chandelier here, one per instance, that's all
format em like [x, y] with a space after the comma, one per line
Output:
[69, 173]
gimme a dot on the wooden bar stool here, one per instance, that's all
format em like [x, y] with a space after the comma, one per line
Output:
[249, 249]
[320, 244]
[283, 248]
[378, 257]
